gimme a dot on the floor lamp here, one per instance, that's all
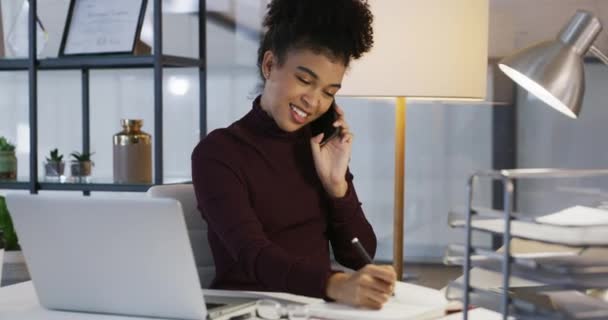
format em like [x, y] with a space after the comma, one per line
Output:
[433, 49]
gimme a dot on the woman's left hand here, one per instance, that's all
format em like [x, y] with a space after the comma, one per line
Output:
[331, 159]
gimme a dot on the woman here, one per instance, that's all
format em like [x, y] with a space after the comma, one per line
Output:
[272, 196]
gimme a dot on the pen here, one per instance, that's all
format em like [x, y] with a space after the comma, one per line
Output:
[363, 253]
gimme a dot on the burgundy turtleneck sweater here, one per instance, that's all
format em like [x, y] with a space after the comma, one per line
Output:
[270, 220]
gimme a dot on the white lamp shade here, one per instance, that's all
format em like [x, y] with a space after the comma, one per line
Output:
[424, 49]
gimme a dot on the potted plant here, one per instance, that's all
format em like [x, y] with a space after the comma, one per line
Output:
[8, 160]
[54, 166]
[8, 238]
[1, 254]
[81, 166]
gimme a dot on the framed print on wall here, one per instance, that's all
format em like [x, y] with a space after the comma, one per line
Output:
[102, 27]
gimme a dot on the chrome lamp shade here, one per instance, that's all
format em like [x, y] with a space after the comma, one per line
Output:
[553, 70]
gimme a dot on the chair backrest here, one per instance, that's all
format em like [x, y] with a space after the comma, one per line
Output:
[197, 227]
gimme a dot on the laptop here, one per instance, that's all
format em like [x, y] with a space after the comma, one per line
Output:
[126, 256]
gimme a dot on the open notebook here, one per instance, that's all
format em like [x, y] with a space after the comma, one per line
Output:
[410, 302]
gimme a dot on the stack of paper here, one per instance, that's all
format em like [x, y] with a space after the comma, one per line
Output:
[577, 216]
[476, 314]
[410, 302]
[565, 235]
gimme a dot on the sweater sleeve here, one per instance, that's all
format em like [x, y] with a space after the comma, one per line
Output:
[223, 199]
[346, 222]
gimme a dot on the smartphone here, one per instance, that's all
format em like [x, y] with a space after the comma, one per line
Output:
[325, 124]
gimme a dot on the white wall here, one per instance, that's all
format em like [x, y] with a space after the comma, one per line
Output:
[445, 143]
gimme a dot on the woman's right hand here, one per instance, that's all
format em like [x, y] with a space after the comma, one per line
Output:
[369, 287]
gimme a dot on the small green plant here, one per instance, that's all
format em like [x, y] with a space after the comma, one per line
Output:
[5, 145]
[55, 156]
[82, 157]
[6, 225]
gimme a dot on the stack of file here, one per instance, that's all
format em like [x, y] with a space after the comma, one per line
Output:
[537, 302]
[566, 271]
[557, 279]
[576, 226]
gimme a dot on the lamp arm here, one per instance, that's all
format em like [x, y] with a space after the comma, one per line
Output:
[599, 54]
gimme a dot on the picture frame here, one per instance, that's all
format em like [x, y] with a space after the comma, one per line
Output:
[105, 27]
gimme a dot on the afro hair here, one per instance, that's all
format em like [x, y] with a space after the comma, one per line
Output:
[342, 29]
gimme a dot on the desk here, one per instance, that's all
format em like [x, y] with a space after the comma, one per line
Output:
[19, 302]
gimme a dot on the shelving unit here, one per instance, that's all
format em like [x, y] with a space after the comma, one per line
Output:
[557, 279]
[99, 62]
[157, 61]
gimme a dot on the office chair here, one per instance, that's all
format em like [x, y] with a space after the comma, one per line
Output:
[197, 227]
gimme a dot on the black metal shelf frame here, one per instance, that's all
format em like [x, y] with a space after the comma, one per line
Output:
[88, 187]
[100, 62]
[157, 61]
[19, 185]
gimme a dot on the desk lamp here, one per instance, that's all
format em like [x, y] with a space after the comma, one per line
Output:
[553, 70]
